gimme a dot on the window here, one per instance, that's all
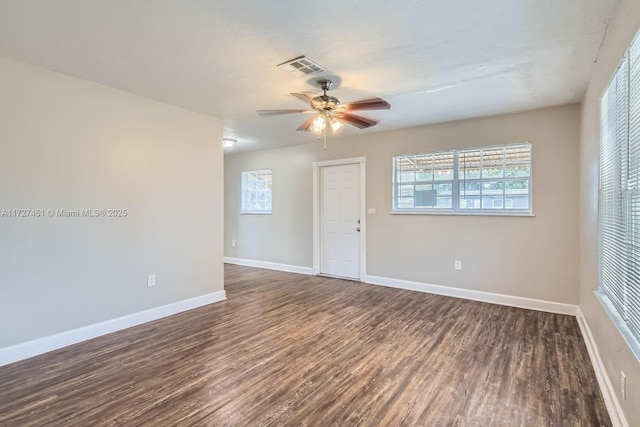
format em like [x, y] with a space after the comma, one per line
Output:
[256, 192]
[479, 180]
[619, 197]
[423, 181]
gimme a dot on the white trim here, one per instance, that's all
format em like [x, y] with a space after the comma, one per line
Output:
[608, 392]
[53, 342]
[270, 265]
[362, 162]
[316, 218]
[363, 219]
[339, 162]
[510, 300]
[461, 213]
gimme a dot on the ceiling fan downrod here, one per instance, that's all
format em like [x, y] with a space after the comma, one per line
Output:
[325, 85]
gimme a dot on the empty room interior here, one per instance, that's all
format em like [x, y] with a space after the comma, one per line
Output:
[372, 213]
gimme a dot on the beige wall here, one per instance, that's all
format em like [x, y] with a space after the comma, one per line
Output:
[614, 352]
[69, 144]
[521, 256]
[285, 236]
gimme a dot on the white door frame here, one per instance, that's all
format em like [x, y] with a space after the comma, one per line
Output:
[361, 161]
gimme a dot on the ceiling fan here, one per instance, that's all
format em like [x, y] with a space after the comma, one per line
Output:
[327, 110]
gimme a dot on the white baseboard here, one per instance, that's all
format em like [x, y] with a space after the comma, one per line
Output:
[53, 342]
[608, 392]
[270, 265]
[513, 301]
[509, 300]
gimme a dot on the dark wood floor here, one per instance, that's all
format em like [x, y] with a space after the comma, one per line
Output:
[286, 349]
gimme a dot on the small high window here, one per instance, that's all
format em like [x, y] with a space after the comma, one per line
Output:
[256, 191]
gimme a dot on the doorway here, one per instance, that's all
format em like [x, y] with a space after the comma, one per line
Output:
[339, 222]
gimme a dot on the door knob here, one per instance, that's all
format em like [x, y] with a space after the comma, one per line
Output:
[358, 229]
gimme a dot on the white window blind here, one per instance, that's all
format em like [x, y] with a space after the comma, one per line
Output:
[487, 180]
[619, 196]
[633, 187]
[256, 191]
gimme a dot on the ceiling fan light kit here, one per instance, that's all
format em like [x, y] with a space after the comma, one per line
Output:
[319, 124]
[326, 109]
[335, 124]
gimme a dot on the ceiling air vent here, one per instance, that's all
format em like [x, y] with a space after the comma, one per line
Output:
[302, 66]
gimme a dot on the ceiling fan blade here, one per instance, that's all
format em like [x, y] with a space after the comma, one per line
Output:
[357, 121]
[374, 103]
[304, 96]
[307, 124]
[278, 112]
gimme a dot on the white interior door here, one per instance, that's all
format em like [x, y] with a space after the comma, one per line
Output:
[339, 221]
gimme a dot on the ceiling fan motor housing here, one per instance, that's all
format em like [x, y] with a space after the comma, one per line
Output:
[323, 103]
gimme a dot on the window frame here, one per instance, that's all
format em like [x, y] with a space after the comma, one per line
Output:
[244, 192]
[610, 307]
[433, 181]
[456, 181]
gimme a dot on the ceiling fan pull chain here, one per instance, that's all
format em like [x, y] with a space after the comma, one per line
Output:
[325, 139]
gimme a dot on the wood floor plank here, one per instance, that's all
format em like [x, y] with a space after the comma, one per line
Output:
[288, 349]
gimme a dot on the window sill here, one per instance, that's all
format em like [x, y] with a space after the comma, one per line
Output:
[527, 215]
[619, 323]
[255, 213]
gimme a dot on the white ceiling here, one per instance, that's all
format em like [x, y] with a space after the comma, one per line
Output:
[433, 60]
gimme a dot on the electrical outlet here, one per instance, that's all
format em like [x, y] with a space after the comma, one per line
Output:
[151, 280]
[457, 264]
[371, 211]
[623, 385]
[233, 243]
